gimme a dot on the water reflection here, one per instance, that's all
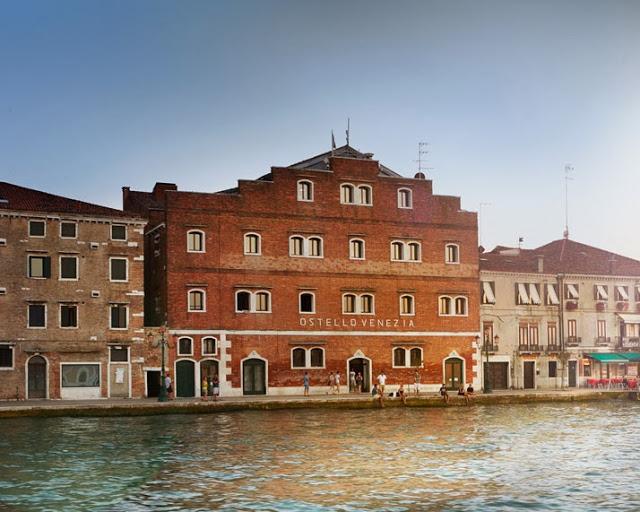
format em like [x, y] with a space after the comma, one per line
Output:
[554, 457]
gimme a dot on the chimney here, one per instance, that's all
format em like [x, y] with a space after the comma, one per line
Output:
[540, 259]
[125, 195]
[160, 188]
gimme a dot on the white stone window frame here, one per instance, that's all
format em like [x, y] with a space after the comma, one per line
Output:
[126, 232]
[75, 223]
[178, 352]
[67, 304]
[203, 352]
[358, 303]
[252, 301]
[412, 298]
[45, 315]
[31, 221]
[307, 358]
[313, 309]
[301, 190]
[70, 256]
[306, 246]
[406, 251]
[405, 198]
[12, 347]
[466, 305]
[451, 306]
[126, 269]
[353, 242]
[456, 250]
[190, 308]
[202, 240]
[352, 188]
[407, 356]
[36, 255]
[127, 309]
[358, 198]
[246, 243]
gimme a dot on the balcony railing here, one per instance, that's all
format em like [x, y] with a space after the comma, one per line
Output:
[553, 348]
[602, 341]
[629, 342]
[573, 341]
[490, 347]
[529, 348]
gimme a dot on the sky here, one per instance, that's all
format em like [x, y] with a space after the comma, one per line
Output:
[98, 95]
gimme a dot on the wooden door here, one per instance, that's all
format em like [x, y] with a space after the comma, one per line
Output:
[185, 379]
[254, 377]
[37, 378]
[529, 368]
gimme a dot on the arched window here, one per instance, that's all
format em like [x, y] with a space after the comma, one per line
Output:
[252, 243]
[397, 251]
[399, 357]
[348, 303]
[185, 347]
[346, 193]
[317, 358]
[405, 198]
[415, 357]
[298, 358]
[444, 305]
[296, 246]
[263, 303]
[407, 305]
[208, 346]
[461, 306]
[452, 253]
[307, 302]
[196, 300]
[366, 304]
[414, 251]
[315, 246]
[195, 241]
[356, 249]
[305, 190]
[366, 197]
[243, 301]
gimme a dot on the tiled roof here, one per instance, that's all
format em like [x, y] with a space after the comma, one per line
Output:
[560, 256]
[319, 162]
[14, 197]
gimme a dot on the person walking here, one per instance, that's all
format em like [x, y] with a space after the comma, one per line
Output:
[444, 393]
[332, 383]
[359, 382]
[204, 388]
[416, 382]
[168, 385]
[382, 379]
[305, 383]
[352, 381]
[216, 387]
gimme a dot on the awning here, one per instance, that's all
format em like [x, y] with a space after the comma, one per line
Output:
[522, 294]
[622, 291]
[572, 291]
[489, 297]
[552, 296]
[608, 357]
[533, 293]
[634, 357]
[629, 318]
[602, 292]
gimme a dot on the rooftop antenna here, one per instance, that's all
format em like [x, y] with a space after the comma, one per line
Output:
[480, 217]
[348, 129]
[568, 169]
[422, 157]
[520, 241]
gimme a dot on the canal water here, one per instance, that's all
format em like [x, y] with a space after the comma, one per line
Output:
[538, 457]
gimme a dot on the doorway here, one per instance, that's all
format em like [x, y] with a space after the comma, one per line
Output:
[254, 377]
[153, 383]
[37, 377]
[573, 374]
[529, 369]
[497, 375]
[185, 378]
[363, 366]
[453, 377]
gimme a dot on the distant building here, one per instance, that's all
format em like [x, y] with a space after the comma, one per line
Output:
[71, 298]
[550, 313]
[335, 263]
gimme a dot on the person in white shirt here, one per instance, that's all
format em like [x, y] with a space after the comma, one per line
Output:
[382, 379]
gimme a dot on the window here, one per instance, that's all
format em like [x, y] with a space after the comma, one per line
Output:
[572, 328]
[553, 369]
[195, 241]
[523, 335]
[68, 316]
[522, 296]
[552, 333]
[415, 357]
[362, 304]
[444, 306]
[488, 293]
[451, 253]
[348, 303]
[80, 375]
[405, 199]
[307, 303]
[487, 333]
[448, 306]
[572, 291]
[356, 249]
[252, 244]
[119, 355]
[37, 228]
[185, 347]
[602, 328]
[366, 304]
[407, 305]
[397, 251]
[118, 232]
[622, 294]
[414, 251]
[307, 357]
[601, 292]
[315, 247]
[365, 195]
[399, 357]
[68, 229]
[6, 356]
[118, 269]
[253, 302]
[39, 267]
[534, 335]
[534, 294]
[461, 306]
[305, 247]
[305, 190]
[262, 302]
[37, 316]
[209, 346]
[296, 246]
[552, 294]
[405, 251]
[196, 300]
[347, 195]
[405, 357]
[69, 267]
[243, 302]
[119, 316]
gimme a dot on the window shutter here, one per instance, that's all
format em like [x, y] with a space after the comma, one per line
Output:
[46, 266]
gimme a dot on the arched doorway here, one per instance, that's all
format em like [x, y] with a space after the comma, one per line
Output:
[453, 372]
[209, 368]
[360, 365]
[254, 377]
[37, 377]
[185, 378]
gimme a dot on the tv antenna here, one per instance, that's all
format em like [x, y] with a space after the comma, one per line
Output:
[568, 169]
[422, 157]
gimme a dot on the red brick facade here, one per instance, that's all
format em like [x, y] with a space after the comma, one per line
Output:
[271, 208]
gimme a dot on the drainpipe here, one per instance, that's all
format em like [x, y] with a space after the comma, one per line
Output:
[563, 355]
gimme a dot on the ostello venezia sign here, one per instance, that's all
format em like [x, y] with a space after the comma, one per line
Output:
[356, 322]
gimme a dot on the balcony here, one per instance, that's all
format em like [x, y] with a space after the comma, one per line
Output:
[602, 341]
[573, 341]
[490, 348]
[571, 305]
[528, 349]
[629, 342]
[553, 348]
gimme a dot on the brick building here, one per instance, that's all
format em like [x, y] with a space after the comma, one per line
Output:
[71, 298]
[335, 263]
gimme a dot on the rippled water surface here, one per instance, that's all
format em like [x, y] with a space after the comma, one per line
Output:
[538, 457]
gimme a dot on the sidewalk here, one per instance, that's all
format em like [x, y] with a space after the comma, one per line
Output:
[150, 406]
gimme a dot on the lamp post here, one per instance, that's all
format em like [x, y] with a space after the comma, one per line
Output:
[162, 393]
[487, 375]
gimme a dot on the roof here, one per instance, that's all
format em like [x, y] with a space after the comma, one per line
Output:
[321, 163]
[17, 198]
[560, 256]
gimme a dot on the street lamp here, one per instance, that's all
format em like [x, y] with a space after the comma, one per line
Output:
[487, 375]
[163, 343]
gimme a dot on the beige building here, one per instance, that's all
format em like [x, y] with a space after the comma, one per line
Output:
[558, 316]
[71, 298]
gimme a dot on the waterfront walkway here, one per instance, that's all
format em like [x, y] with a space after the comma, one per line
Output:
[150, 406]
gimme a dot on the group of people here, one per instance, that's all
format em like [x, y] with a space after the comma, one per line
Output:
[467, 393]
[210, 387]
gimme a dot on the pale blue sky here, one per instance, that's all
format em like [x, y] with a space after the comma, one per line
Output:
[96, 95]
